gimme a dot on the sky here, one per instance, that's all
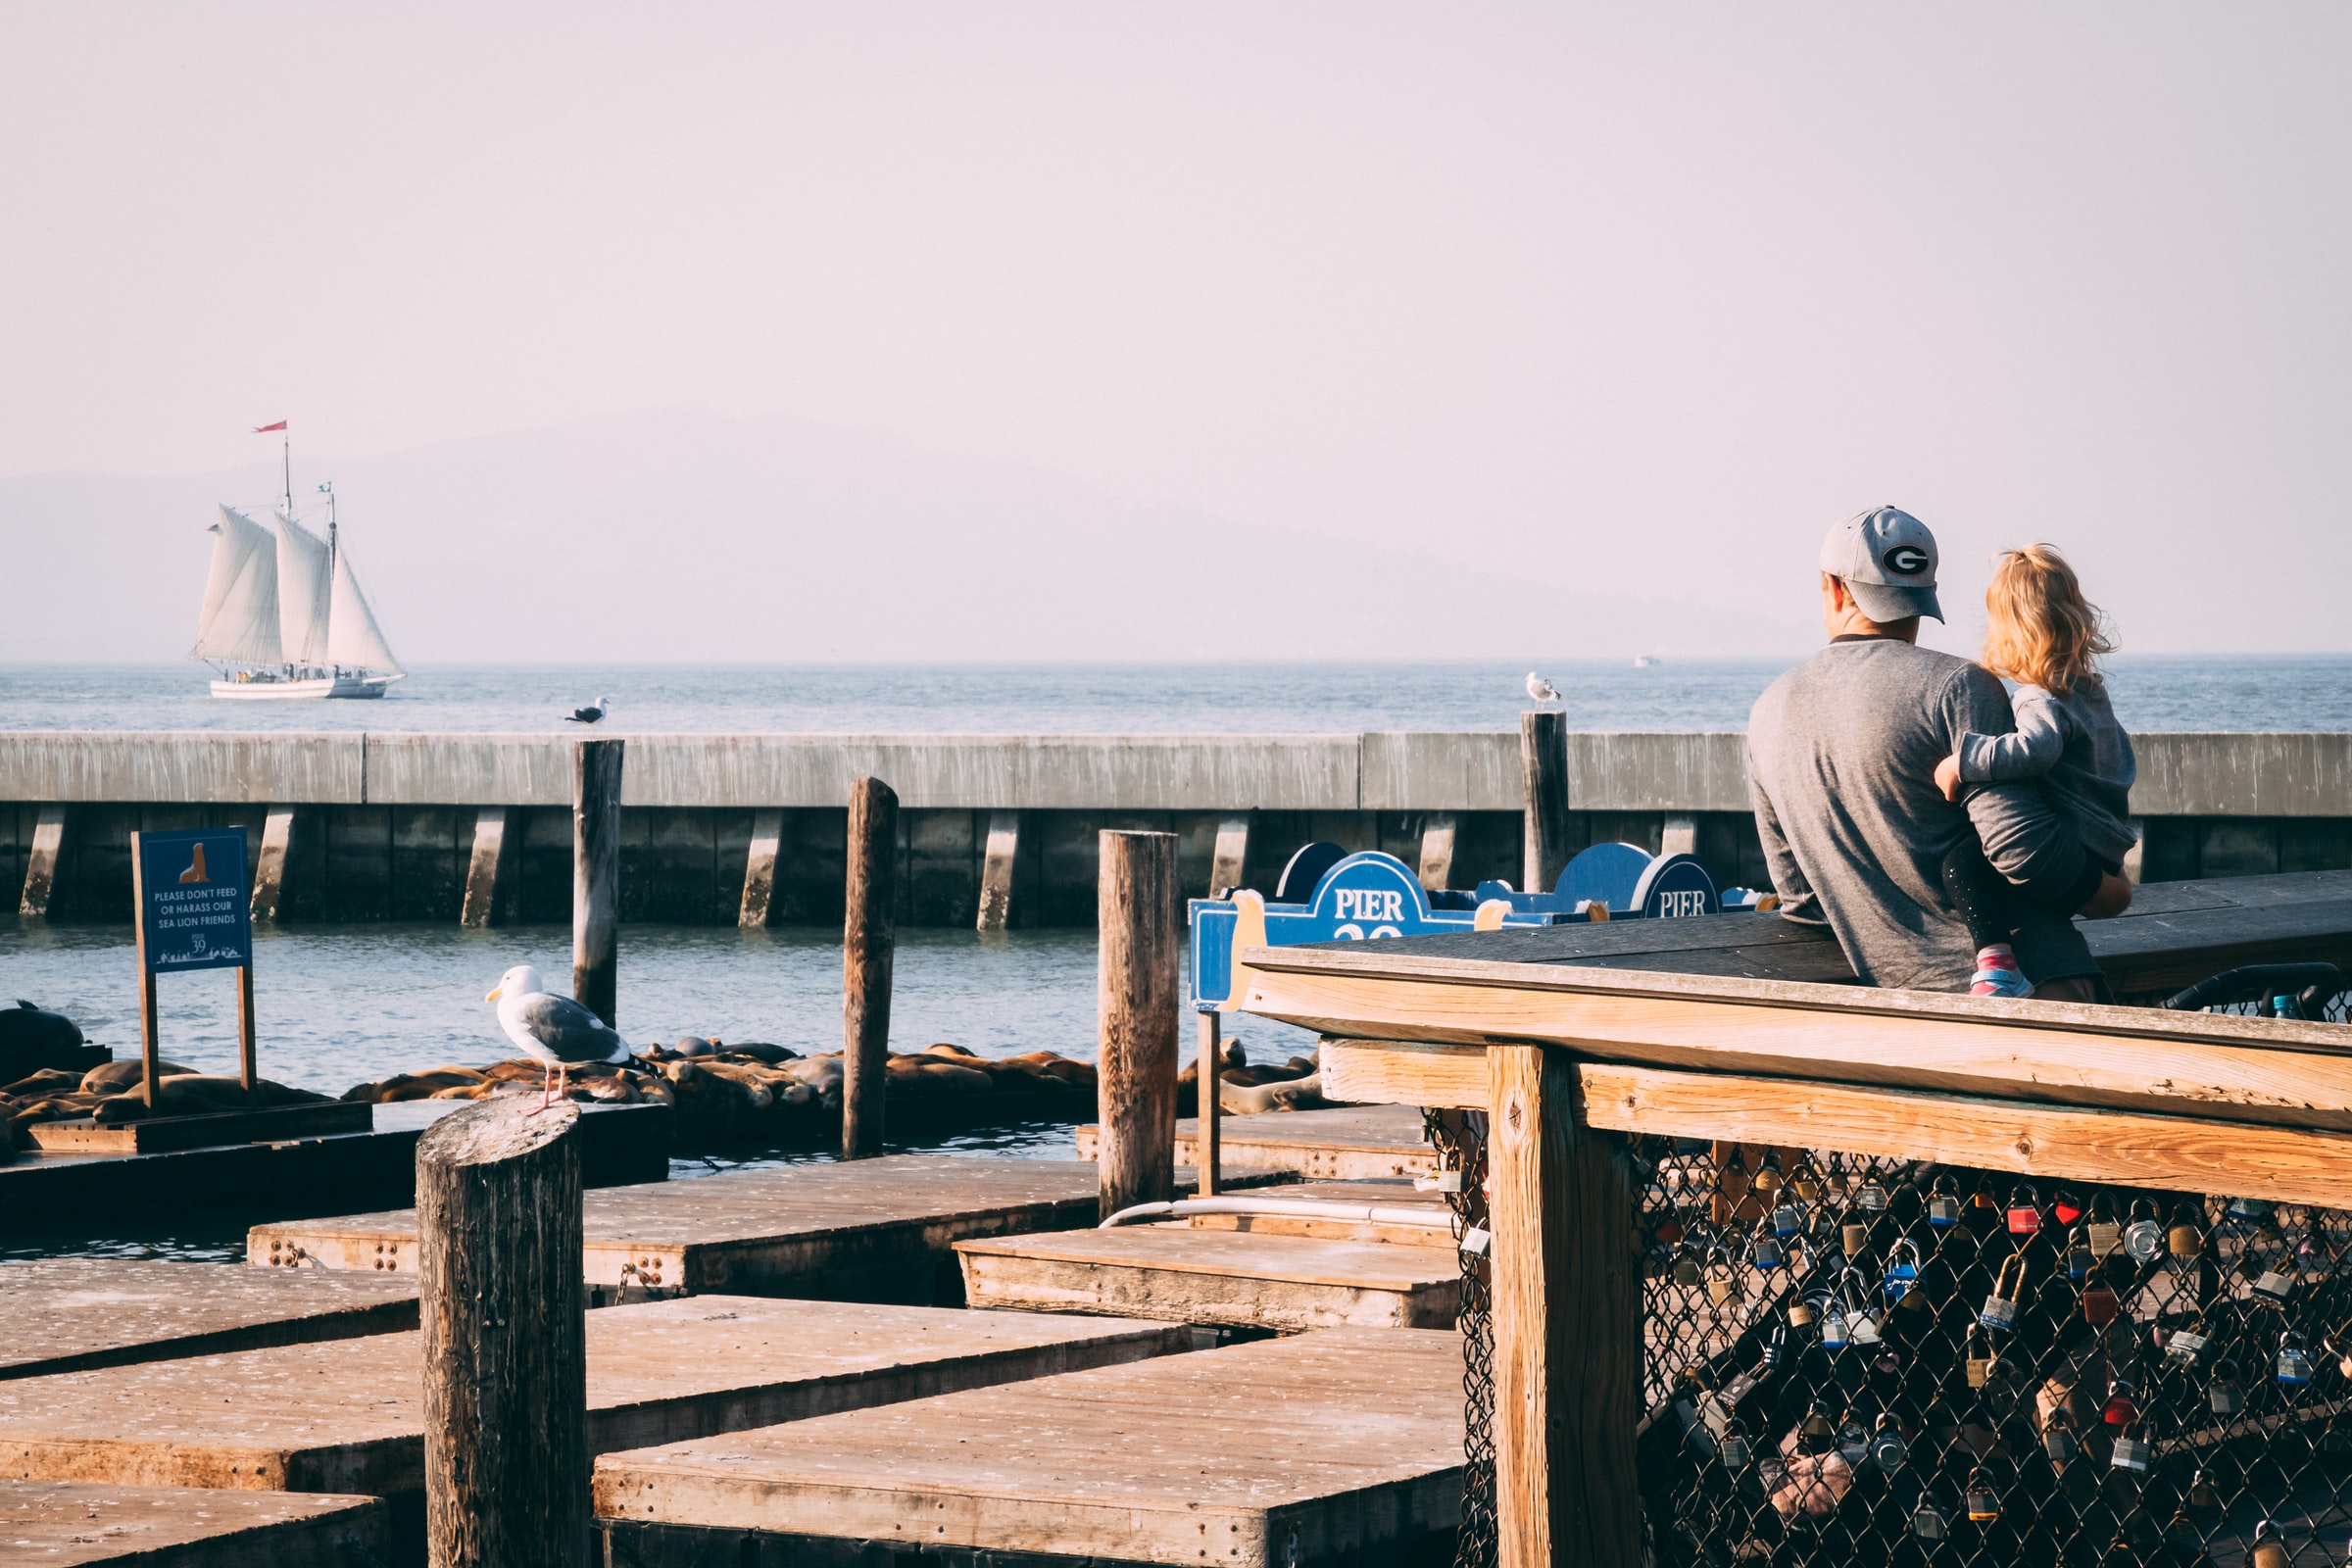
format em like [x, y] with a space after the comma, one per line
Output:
[1636, 300]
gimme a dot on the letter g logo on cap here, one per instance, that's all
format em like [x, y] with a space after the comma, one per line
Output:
[1905, 560]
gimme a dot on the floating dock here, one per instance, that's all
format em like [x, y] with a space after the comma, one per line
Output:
[73, 1524]
[863, 1230]
[303, 1174]
[1356, 1143]
[79, 1314]
[1234, 1279]
[347, 1417]
[1343, 1445]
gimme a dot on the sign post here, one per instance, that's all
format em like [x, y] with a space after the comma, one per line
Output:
[195, 913]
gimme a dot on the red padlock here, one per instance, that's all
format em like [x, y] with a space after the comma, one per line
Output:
[2122, 1410]
[2067, 1206]
[2024, 1212]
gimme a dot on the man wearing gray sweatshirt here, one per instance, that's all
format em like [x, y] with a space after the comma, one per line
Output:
[1841, 755]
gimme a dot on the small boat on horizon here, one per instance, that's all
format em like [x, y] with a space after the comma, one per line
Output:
[283, 614]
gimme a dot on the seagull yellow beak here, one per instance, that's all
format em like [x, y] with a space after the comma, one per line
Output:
[495, 995]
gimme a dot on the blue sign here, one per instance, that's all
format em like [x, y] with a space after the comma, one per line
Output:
[195, 909]
[1675, 886]
[1363, 898]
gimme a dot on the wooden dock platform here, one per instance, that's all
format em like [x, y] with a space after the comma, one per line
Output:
[1341, 1444]
[307, 1174]
[76, 1314]
[1230, 1278]
[866, 1230]
[75, 1524]
[1353, 1143]
[347, 1417]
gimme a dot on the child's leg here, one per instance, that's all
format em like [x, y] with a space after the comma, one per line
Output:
[1981, 894]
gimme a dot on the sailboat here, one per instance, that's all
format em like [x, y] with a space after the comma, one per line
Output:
[283, 613]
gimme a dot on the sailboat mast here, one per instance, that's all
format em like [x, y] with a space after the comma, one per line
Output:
[329, 488]
[288, 453]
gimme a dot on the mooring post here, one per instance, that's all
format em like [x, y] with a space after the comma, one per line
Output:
[995, 870]
[1436, 852]
[759, 869]
[1567, 1320]
[271, 864]
[40, 865]
[505, 1319]
[1544, 786]
[1207, 1145]
[869, 934]
[1136, 1002]
[596, 875]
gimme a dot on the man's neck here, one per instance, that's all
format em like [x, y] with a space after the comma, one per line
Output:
[1857, 628]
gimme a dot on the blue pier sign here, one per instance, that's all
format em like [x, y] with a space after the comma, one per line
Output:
[195, 909]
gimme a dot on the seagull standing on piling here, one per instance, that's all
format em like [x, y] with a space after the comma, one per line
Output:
[1542, 690]
[590, 716]
[554, 1030]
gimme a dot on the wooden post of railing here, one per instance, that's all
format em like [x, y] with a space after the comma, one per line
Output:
[1544, 786]
[1205, 1144]
[1567, 1320]
[1136, 999]
[505, 1316]
[868, 942]
[596, 876]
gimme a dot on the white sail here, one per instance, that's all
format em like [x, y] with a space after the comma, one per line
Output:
[239, 619]
[302, 571]
[353, 636]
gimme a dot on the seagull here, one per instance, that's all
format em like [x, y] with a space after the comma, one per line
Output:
[1542, 690]
[556, 1030]
[590, 716]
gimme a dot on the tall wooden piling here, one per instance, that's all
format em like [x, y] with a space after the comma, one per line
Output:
[1209, 1144]
[504, 1313]
[868, 936]
[1135, 1001]
[596, 875]
[1544, 787]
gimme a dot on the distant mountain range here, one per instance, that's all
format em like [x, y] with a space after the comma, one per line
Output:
[684, 536]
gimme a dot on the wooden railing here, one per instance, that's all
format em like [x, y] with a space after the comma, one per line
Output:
[1567, 1062]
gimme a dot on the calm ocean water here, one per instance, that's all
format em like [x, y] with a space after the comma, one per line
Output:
[2151, 694]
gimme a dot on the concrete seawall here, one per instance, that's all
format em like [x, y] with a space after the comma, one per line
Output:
[398, 826]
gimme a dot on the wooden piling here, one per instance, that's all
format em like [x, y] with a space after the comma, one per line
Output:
[1436, 852]
[1543, 785]
[497, 848]
[1136, 999]
[995, 870]
[1567, 1307]
[40, 866]
[868, 938]
[596, 875]
[759, 869]
[270, 866]
[1229, 862]
[504, 1318]
[1205, 1090]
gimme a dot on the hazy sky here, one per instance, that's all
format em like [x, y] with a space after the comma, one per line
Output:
[1647, 294]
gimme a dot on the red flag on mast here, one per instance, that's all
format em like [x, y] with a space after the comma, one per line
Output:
[263, 430]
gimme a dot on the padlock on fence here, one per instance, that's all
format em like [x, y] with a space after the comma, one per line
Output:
[1944, 1202]
[2133, 1450]
[2185, 1239]
[2066, 1205]
[2227, 1394]
[1901, 1278]
[2078, 1258]
[2294, 1362]
[1888, 1450]
[2058, 1442]
[2268, 1550]
[1871, 1197]
[2025, 1210]
[2143, 1237]
[2100, 1305]
[1928, 1522]
[1862, 1322]
[1685, 1271]
[1776, 1348]
[1723, 1283]
[2277, 1283]
[1854, 1235]
[2252, 1210]
[1984, 1499]
[2188, 1343]
[2007, 1300]
[2100, 1230]
[1853, 1442]
[2122, 1408]
[1764, 1248]
[1788, 1221]
[1979, 1358]
[1732, 1448]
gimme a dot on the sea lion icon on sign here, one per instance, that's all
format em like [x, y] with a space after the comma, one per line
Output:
[195, 870]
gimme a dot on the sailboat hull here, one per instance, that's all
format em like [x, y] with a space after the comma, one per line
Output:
[262, 691]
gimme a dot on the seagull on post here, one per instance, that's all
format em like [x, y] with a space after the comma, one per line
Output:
[554, 1030]
[1542, 690]
[590, 716]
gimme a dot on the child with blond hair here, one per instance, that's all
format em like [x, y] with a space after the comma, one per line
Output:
[2041, 633]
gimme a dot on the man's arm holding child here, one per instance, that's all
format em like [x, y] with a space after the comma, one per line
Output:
[2029, 751]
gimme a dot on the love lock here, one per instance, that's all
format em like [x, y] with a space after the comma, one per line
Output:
[2144, 1237]
[2002, 1307]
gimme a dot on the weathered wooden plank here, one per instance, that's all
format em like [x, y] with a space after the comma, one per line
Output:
[793, 1231]
[1217, 1276]
[1352, 1144]
[2277, 1071]
[74, 1314]
[74, 1524]
[2047, 1141]
[1407, 1072]
[1284, 1450]
[348, 1416]
[204, 1130]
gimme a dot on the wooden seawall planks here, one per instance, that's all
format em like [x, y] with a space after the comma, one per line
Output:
[1232, 1278]
[76, 1524]
[869, 1227]
[1355, 1143]
[75, 1314]
[1294, 1450]
[347, 1416]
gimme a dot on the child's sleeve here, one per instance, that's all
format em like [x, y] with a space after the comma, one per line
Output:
[2029, 751]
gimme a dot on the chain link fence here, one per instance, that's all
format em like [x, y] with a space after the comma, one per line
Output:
[1852, 1360]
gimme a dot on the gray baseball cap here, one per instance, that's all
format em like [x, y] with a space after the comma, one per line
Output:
[1887, 558]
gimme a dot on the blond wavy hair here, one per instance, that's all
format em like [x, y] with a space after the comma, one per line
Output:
[2038, 627]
